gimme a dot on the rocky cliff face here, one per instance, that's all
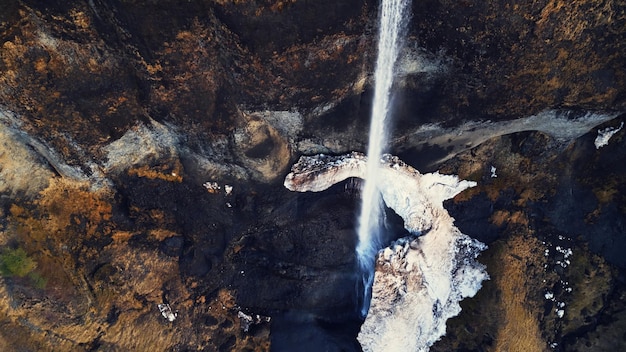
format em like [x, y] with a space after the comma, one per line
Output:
[115, 114]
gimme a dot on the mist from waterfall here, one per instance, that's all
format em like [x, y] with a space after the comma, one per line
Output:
[393, 18]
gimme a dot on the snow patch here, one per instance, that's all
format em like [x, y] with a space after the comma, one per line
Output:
[560, 313]
[248, 320]
[212, 186]
[167, 312]
[604, 135]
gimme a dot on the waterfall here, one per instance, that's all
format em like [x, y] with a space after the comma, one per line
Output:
[391, 26]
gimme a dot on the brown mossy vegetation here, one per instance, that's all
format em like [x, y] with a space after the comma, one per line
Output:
[515, 262]
[41, 71]
[103, 289]
[504, 217]
[591, 278]
[561, 56]
[580, 285]
[171, 173]
[515, 170]
[54, 228]
[519, 315]
[503, 315]
[515, 270]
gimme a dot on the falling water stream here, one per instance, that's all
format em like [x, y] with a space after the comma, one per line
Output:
[393, 18]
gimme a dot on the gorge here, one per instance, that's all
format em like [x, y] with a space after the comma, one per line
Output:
[144, 147]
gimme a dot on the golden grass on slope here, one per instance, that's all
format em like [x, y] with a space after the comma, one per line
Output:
[519, 330]
[107, 292]
[502, 217]
[170, 173]
[68, 203]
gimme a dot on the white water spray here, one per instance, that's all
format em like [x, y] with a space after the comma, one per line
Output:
[392, 23]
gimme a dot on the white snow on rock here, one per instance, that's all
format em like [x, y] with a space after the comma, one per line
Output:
[247, 320]
[408, 192]
[167, 312]
[419, 281]
[604, 135]
[564, 126]
[212, 186]
[560, 313]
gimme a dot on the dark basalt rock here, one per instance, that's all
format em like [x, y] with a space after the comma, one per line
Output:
[267, 27]
[586, 202]
[173, 246]
[470, 218]
[75, 77]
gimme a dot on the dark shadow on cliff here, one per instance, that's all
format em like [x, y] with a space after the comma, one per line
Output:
[299, 266]
[589, 201]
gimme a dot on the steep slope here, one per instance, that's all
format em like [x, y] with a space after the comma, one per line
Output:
[119, 120]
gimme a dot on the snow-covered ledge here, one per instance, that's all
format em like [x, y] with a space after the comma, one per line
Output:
[419, 281]
[605, 135]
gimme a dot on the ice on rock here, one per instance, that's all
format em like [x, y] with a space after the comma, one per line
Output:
[419, 281]
[212, 187]
[560, 313]
[604, 135]
[167, 312]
